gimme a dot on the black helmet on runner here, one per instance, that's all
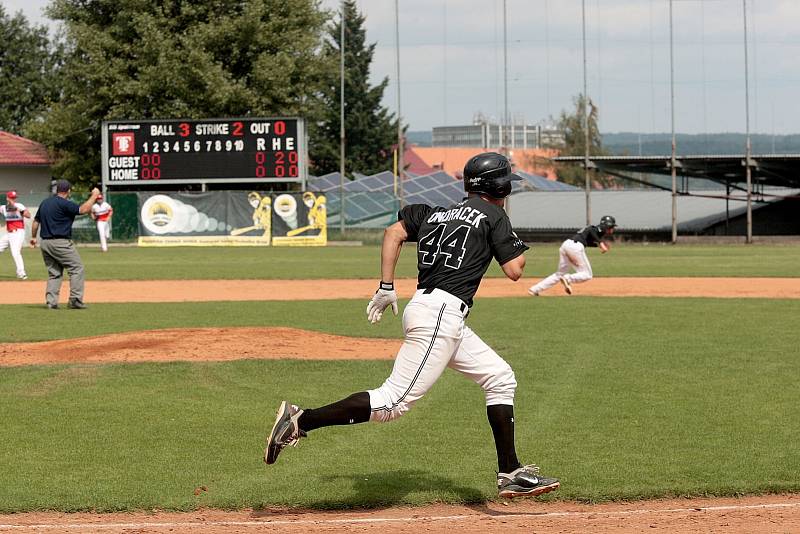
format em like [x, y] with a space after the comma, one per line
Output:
[489, 173]
[606, 223]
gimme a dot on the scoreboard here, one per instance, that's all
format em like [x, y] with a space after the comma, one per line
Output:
[261, 150]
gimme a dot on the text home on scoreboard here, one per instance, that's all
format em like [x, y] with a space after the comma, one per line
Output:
[204, 151]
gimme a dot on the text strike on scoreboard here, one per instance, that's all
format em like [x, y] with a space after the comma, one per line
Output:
[198, 150]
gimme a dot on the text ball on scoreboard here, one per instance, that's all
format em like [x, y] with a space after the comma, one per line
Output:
[252, 149]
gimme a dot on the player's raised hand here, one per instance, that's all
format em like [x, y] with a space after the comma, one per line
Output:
[383, 297]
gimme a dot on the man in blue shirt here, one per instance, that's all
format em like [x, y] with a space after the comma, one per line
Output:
[55, 217]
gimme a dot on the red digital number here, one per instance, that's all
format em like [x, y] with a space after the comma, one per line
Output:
[280, 128]
[294, 171]
[237, 129]
[261, 172]
[185, 129]
[279, 157]
[150, 163]
[293, 157]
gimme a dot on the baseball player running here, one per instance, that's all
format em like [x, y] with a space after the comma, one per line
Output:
[455, 246]
[573, 254]
[15, 214]
[101, 213]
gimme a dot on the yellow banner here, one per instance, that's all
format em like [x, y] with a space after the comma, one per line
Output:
[203, 241]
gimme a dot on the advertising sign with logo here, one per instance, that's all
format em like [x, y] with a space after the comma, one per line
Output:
[299, 220]
[230, 218]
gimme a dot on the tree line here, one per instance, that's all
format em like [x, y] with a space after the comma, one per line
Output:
[135, 60]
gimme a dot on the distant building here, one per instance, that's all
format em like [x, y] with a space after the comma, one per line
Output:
[486, 134]
[24, 165]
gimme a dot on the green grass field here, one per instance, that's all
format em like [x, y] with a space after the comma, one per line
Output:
[620, 398]
[132, 263]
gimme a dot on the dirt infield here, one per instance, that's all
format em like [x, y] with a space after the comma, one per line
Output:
[753, 515]
[32, 292]
[199, 344]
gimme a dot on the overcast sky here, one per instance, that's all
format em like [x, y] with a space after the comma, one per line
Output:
[451, 60]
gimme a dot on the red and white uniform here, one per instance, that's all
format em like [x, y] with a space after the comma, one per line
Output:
[15, 238]
[102, 213]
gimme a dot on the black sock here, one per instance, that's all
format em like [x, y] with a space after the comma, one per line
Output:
[354, 409]
[501, 419]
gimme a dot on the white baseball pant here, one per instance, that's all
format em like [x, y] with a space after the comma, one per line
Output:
[435, 338]
[105, 233]
[572, 254]
[14, 241]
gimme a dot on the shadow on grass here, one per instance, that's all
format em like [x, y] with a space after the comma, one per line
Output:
[385, 489]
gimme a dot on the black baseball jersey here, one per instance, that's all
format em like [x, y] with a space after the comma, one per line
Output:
[589, 236]
[455, 245]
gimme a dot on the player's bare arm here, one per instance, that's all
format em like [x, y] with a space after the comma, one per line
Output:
[34, 232]
[393, 238]
[513, 268]
[603, 247]
[86, 207]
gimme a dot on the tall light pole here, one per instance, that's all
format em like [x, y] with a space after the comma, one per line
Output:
[506, 124]
[672, 161]
[747, 133]
[400, 147]
[586, 123]
[341, 124]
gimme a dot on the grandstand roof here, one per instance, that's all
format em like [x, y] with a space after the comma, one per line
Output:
[634, 210]
[780, 170]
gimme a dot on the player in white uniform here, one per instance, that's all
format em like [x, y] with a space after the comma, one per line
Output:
[455, 246]
[101, 212]
[15, 214]
[572, 254]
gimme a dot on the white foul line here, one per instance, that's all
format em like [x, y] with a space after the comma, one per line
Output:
[367, 520]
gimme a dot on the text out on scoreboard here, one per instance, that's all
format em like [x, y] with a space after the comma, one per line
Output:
[213, 150]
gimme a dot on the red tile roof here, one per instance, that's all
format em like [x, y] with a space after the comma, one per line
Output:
[452, 159]
[15, 150]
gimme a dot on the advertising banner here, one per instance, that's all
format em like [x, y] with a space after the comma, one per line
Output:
[299, 220]
[230, 218]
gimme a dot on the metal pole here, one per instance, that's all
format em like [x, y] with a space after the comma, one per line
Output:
[506, 125]
[586, 123]
[747, 132]
[341, 124]
[400, 147]
[672, 126]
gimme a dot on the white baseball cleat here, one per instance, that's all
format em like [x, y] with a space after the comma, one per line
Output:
[533, 292]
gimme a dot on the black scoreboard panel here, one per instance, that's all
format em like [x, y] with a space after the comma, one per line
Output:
[206, 150]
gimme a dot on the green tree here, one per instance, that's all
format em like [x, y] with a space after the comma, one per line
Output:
[370, 129]
[29, 61]
[137, 59]
[574, 143]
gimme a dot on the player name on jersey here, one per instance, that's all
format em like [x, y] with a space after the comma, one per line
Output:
[464, 213]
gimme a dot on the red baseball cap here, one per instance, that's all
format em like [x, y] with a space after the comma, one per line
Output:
[11, 194]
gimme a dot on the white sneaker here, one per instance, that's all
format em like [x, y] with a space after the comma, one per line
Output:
[533, 292]
[23, 277]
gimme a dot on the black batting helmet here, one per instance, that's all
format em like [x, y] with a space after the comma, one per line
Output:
[606, 223]
[489, 173]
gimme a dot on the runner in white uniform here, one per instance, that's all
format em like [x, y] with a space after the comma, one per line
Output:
[15, 214]
[572, 254]
[101, 212]
[455, 246]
